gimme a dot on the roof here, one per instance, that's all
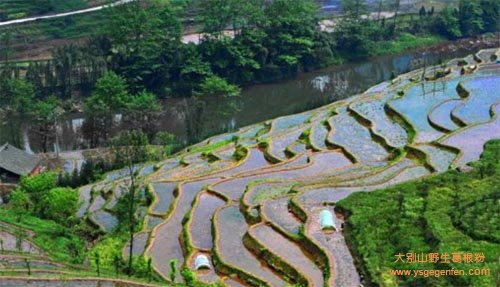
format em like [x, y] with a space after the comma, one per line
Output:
[201, 262]
[17, 161]
[326, 219]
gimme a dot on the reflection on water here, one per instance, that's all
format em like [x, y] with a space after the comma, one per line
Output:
[193, 119]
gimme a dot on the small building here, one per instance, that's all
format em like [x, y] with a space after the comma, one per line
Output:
[201, 262]
[326, 220]
[15, 163]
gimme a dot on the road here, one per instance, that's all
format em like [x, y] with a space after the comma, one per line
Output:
[31, 19]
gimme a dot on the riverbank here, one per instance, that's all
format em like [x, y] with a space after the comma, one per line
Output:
[273, 180]
[261, 102]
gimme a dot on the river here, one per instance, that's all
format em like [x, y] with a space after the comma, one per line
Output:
[191, 120]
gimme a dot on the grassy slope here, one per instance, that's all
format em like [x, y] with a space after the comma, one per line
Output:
[15, 9]
[60, 243]
[69, 27]
[430, 215]
[406, 42]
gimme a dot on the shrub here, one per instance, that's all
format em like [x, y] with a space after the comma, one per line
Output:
[60, 204]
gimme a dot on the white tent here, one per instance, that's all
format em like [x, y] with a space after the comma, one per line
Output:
[326, 220]
[201, 262]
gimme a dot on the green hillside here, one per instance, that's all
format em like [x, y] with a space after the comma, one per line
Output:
[451, 213]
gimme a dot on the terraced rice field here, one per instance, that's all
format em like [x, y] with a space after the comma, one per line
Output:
[440, 116]
[164, 197]
[253, 209]
[355, 138]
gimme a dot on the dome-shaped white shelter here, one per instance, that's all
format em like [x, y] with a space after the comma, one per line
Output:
[201, 262]
[326, 220]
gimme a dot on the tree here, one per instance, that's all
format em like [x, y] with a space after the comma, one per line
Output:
[141, 110]
[150, 268]
[396, 6]
[117, 262]
[447, 24]
[97, 261]
[20, 203]
[353, 38]
[430, 12]
[6, 44]
[422, 12]
[167, 140]
[470, 17]
[216, 86]
[380, 6]
[65, 59]
[38, 186]
[110, 95]
[28, 266]
[491, 15]
[60, 204]
[290, 32]
[219, 15]
[47, 113]
[173, 269]
[129, 148]
[216, 15]
[144, 38]
[17, 96]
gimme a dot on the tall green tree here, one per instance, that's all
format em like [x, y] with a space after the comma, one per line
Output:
[37, 187]
[110, 95]
[20, 203]
[47, 114]
[290, 27]
[16, 97]
[354, 38]
[491, 15]
[6, 42]
[144, 37]
[128, 149]
[448, 24]
[142, 110]
[470, 17]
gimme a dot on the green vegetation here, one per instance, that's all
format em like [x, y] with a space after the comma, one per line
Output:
[38, 195]
[126, 70]
[404, 42]
[58, 241]
[59, 204]
[211, 147]
[448, 213]
[14, 9]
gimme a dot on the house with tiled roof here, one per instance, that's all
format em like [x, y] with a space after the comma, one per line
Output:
[15, 163]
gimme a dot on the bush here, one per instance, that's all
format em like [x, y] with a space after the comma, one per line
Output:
[38, 185]
[451, 212]
[60, 204]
